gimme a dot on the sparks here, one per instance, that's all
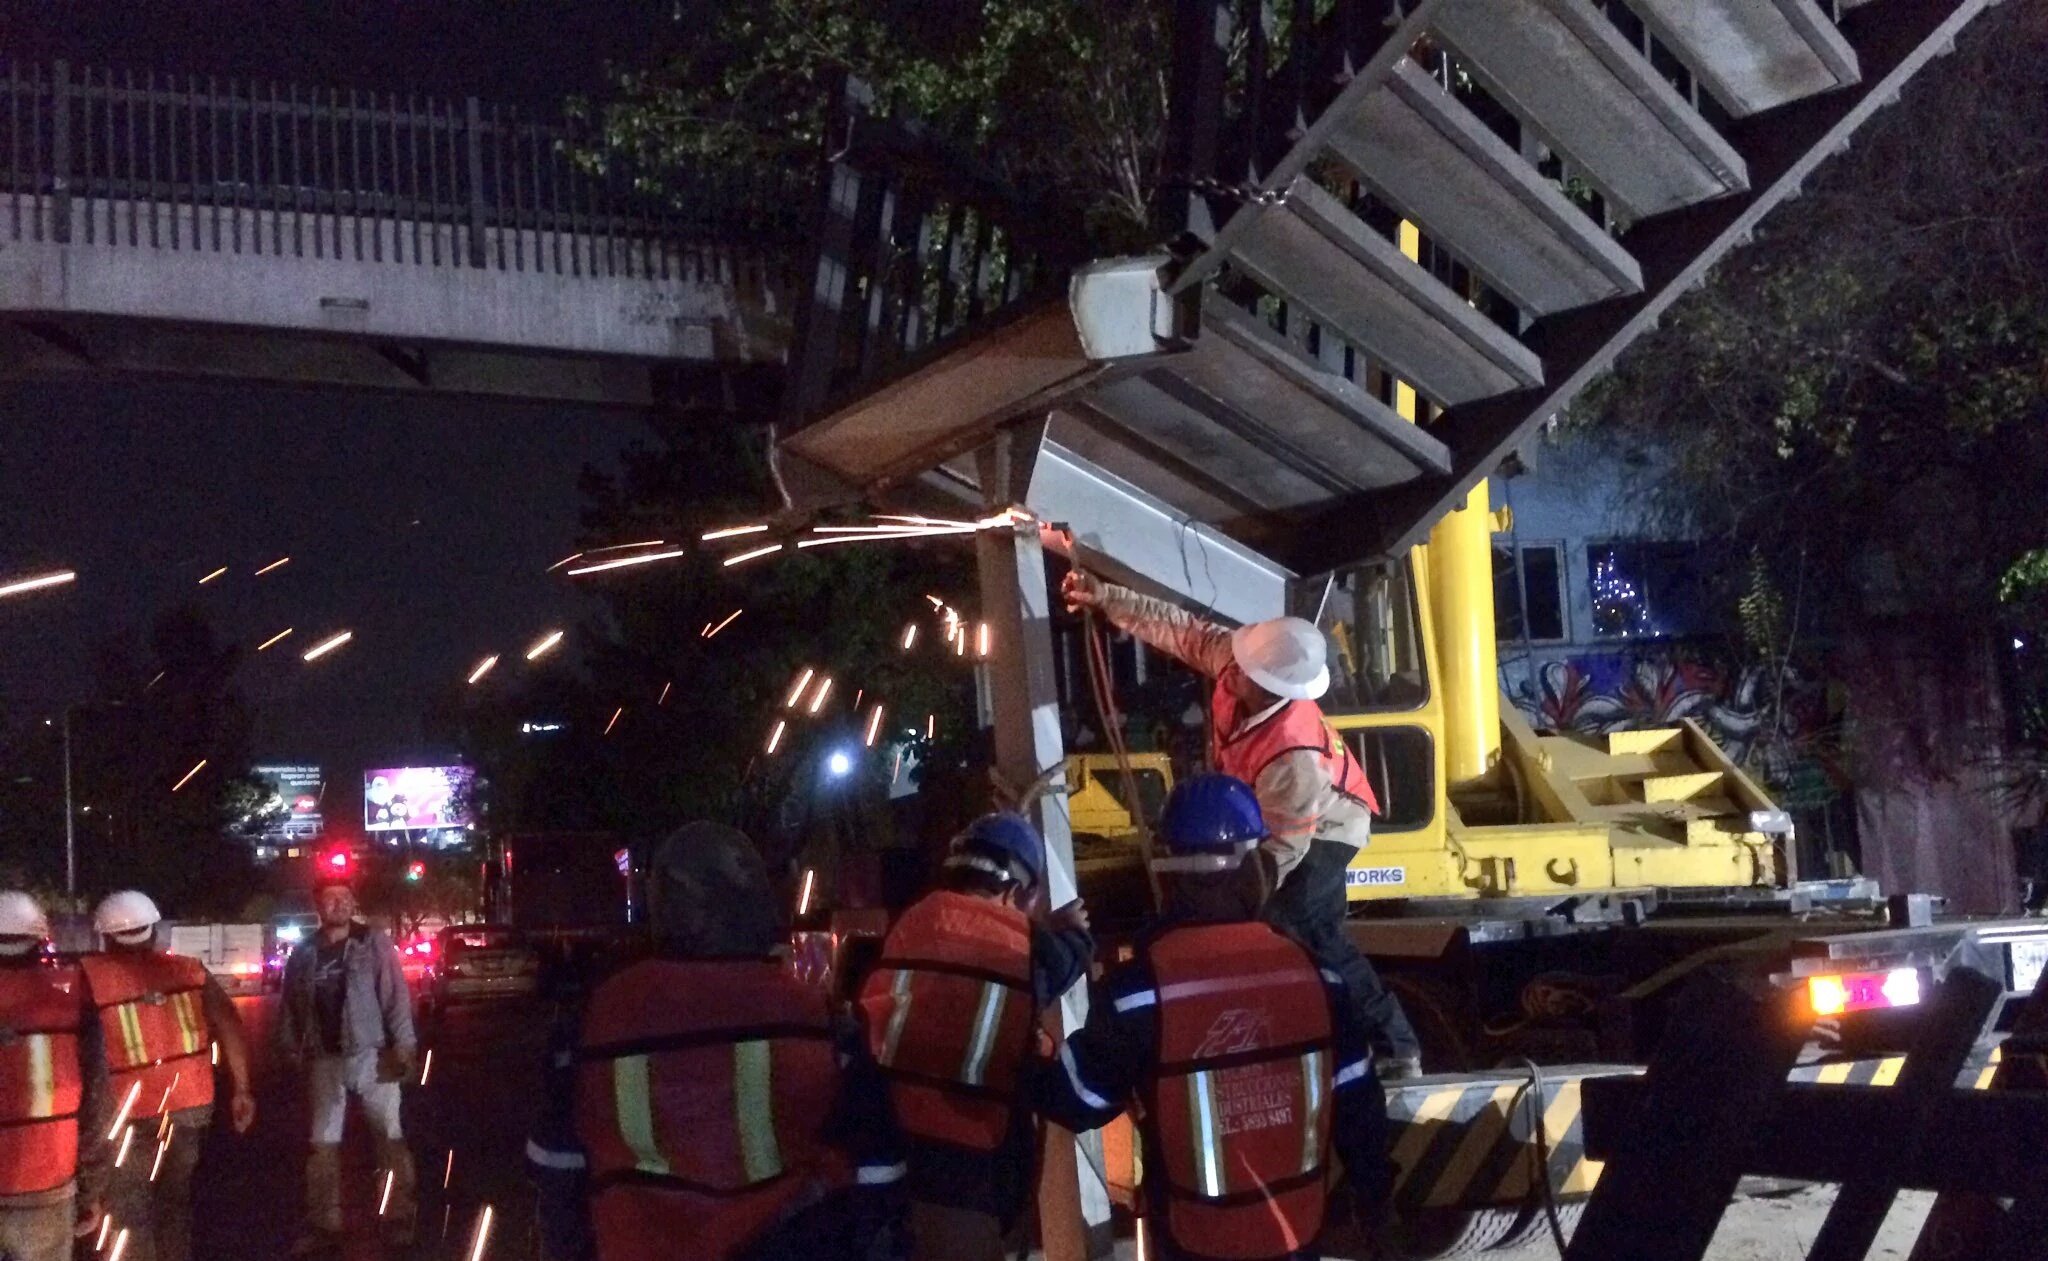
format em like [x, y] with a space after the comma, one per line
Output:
[483, 1234]
[664, 692]
[484, 667]
[960, 641]
[722, 625]
[544, 645]
[120, 1245]
[627, 547]
[157, 1166]
[937, 603]
[931, 726]
[755, 554]
[326, 646]
[427, 1068]
[274, 640]
[216, 1053]
[645, 558]
[215, 574]
[121, 1117]
[981, 639]
[153, 682]
[803, 903]
[616, 715]
[909, 636]
[20, 585]
[127, 1138]
[775, 736]
[448, 1170]
[106, 1225]
[384, 1200]
[197, 767]
[797, 690]
[733, 532]
[874, 725]
[279, 563]
[570, 559]
[824, 690]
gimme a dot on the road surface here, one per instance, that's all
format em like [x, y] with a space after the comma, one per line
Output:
[476, 1103]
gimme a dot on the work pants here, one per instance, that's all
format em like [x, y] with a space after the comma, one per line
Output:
[150, 1192]
[942, 1232]
[1310, 904]
[330, 1080]
[41, 1233]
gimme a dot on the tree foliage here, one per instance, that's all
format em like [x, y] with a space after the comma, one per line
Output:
[1066, 98]
[1864, 386]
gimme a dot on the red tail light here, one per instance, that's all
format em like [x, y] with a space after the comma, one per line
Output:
[1838, 993]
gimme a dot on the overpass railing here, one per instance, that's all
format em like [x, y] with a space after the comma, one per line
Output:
[185, 163]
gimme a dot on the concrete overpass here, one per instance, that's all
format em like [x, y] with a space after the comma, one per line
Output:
[171, 225]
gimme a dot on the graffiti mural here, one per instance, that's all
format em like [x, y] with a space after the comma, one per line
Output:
[1592, 692]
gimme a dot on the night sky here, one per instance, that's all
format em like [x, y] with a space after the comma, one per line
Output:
[422, 524]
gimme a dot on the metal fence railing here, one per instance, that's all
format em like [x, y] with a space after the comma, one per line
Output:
[184, 163]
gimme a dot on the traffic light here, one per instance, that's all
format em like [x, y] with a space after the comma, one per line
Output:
[338, 862]
[415, 871]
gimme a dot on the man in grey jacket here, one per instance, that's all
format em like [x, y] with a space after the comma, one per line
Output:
[347, 1017]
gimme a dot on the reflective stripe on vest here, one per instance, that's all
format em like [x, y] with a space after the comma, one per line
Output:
[717, 1076]
[153, 1022]
[41, 1089]
[1238, 1107]
[1294, 726]
[949, 1017]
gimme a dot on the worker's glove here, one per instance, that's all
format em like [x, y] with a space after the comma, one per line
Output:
[1071, 917]
[1397, 1067]
[242, 1111]
[1081, 590]
[394, 1063]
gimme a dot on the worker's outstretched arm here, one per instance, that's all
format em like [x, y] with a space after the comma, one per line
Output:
[1092, 1078]
[1199, 644]
[226, 1024]
[1060, 953]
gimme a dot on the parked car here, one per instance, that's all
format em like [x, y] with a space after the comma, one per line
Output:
[482, 961]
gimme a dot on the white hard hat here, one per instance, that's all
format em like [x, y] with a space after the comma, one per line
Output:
[1284, 655]
[22, 916]
[125, 915]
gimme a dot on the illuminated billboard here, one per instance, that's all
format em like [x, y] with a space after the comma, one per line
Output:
[292, 812]
[417, 798]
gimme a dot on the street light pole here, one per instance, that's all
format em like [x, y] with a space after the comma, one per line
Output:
[70, 836]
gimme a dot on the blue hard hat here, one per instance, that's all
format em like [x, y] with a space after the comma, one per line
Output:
[1209, 823]
[1005, 843]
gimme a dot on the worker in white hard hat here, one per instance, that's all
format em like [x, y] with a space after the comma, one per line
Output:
[53, 1094]
[1267, 730]
[160, 1017]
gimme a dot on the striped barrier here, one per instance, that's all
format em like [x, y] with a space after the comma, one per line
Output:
[1467, 1141]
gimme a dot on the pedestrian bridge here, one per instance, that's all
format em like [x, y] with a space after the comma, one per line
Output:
[162, 224]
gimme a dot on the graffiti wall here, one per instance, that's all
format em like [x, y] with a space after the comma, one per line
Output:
[1784, 727]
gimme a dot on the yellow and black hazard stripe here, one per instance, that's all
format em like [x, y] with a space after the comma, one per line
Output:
[1469, 1141]
[1884, 1071]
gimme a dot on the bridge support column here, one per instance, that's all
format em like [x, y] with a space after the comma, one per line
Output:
[1073, 1200]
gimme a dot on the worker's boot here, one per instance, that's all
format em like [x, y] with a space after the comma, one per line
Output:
[400, 1211]
[322, 1236]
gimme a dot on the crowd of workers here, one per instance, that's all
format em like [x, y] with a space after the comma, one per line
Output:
[108, 1067]
[709, 1102]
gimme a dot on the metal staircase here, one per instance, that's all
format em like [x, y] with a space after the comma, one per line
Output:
[1451, 212]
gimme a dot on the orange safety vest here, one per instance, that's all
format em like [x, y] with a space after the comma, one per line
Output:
[1238, 1108]
[153, 1022]
[950, 1016]
[41, 1084]
[702, 1094]
[1298, 725]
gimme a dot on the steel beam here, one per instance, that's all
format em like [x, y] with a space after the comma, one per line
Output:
[1781, 149]
[1073, 1201]
[1122, 532]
